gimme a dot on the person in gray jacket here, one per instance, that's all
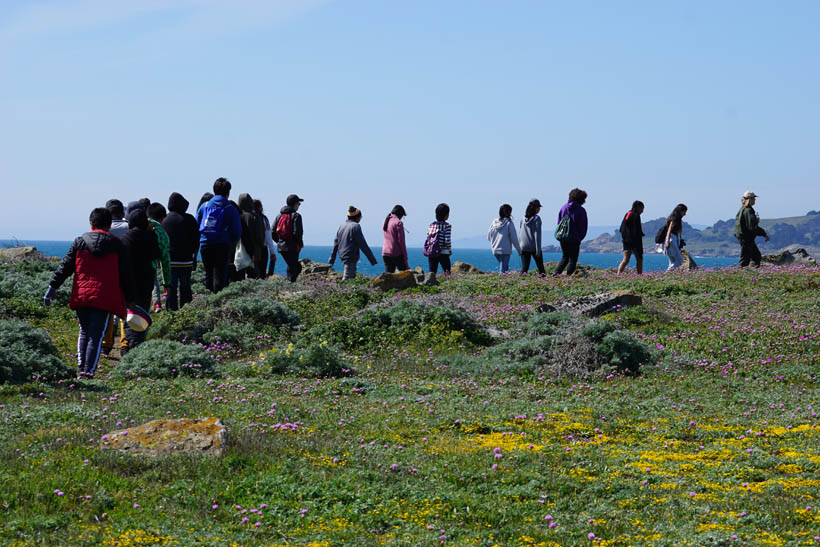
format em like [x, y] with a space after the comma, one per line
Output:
[349, 241]
[503, 238]
[530, 238]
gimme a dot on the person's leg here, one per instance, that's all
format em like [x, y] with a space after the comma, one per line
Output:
[624, 262]
[123, 339]
[444, 260]
[745, 252]
[525, 261]
[136, 338]
[84, 317]
[756, 257]
[172, 303]
[219, 255]
[432, 264]
[185, 293]
[292, 260]
[391, 263]
[564, 258]
[156, 294]
[208, 265]
[574, 251]
[271, 263]
[639, 260]
[673, 253]
[349, 271]
[98, 322]
[499, 259]
[539, 263]
[108, 338]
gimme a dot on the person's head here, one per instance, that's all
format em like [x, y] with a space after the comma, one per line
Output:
[156, 211]
[532, 208]
[679, 211]
[145, 202]
[100, 218]
[257, 206]
[505, 211]
[748, 198]
[116, 208]
[177, 203]
[222, 187]
[442, 212]
[576, 195]
[637, 207]
[354, 214]
[397, 211]
[138, 219]
[206, 197]
[293, 201]
[245, 202]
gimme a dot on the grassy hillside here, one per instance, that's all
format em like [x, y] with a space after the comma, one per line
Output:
[435, 430]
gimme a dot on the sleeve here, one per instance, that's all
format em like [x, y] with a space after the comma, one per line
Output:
[153, 243]
[273, 234]
[268, 237]
[358, 236]
[66, 267]
[758, 231]
[235, 226]
[195, 240]
[126, 273]
[448, 236]
[514, 238]
[538, 238]
[583, 223]
[165, 258]
[401, 241]
[335, 248]
[298, 231]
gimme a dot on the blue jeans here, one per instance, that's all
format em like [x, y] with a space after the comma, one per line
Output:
[349, 270]
[503, 263]
[673, 253]
[93, 324]
[180, 280]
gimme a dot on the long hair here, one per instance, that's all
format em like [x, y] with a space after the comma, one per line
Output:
[530, 211]
[505, 211]
[678, 212]
[397, 210]
[207, 196]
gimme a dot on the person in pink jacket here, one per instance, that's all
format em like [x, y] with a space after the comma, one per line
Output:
[394, 250]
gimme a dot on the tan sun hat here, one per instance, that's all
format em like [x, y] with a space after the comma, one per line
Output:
[749, 194]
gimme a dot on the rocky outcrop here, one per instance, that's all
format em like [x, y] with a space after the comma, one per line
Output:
[594, 305]
[688, 262]
[398, 281]
[17, 254]
[164, 437]
[793, 256]
[465, 268]
[427, 279]
[310, 267]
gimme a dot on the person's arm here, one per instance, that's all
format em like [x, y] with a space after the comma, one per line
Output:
[235, 225]
[668, 234]
[156, 253]
[514, 238]
[448, 236]
[298, 231]
[335, 250]
[66, 269]
[582, 223]
[399, 229]
[126, 275]
[358, 238]
[538, 250]
[165, 259]
[273, 233]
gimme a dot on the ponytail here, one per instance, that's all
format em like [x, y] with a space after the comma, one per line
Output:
[398, 211]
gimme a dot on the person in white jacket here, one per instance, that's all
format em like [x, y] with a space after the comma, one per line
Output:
[503, 238]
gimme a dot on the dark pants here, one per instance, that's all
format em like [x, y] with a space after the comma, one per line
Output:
[393, 263]
[260, 264]
[271, 264]
[570, 250]
[525, 261]
[180, 281]
[135, 338]
[292, 260]
[93, 324]
[434, 261]
[215, 262]
[749, 253]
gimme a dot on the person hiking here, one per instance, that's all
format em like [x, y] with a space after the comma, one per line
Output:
[632, 237]
[571, 245]
[503, 238]
[673, 240]
[162, 267]
[288, 233]
[219, 230]
[266, 267]
[747, 228]
[101, 286]
[183, 236]
[394, 250]
[349, 241]
[118, 223]
[140, 241]
[438, 246]
[253, 238]
[529, 238]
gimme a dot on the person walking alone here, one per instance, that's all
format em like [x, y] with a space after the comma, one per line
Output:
[571, 246]
[632, 237]
[503, 238]
[394, 250]
[349, 241]
[530, 238]
[747, 228]
[288, 233]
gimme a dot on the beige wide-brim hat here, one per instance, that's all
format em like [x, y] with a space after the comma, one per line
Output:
[749, 194]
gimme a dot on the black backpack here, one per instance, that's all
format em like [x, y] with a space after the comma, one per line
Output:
[660, 237]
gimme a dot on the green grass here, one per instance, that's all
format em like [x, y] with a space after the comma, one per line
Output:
[719, 439]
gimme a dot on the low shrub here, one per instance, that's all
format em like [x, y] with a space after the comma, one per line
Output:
[27, 353]
[624, 352]
[317, 359]
[166, 359]
[597, 330]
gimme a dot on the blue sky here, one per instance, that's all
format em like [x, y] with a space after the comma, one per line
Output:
[374, 103]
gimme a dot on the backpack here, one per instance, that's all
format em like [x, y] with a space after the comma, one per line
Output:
[624, 229]
[212, 220]
[562, 231]
[284, 227]
[432, 245]
[660, 237]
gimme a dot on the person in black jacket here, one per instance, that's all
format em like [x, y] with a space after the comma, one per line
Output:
[183, 236]
[287, 233]
[253, 238]
[632, 236]
[140, 242]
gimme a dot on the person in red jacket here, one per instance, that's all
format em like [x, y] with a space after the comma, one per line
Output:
[102, 285]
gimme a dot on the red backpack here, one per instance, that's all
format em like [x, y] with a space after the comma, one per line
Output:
[284, 227]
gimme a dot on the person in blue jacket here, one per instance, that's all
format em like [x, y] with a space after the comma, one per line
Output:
[219, 230]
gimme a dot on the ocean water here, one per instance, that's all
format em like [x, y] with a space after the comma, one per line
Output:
[480, 258]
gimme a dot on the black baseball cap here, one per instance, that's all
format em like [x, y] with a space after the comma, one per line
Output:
[293, 198]
[535, 203]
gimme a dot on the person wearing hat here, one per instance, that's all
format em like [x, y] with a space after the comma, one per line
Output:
[101, 287]
[747, 228]
[287, 234]
[529, 238]
[349, 241]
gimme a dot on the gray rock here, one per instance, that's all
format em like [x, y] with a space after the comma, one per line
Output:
[164, 437]
[790, 256]
[688, 262]
[310, 267]
[16, 254]
[594, 305]
[399, 280]
[428, 280]
[465, 268]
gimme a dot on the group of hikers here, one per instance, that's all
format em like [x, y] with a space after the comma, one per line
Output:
[134, 256]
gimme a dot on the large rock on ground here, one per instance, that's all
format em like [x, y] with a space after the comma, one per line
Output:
[465, 268]
[21, 253]
[594, 305]
[427, 279]
[165, 437]
[399, 280]
[310, 267]
[793, 256]
[688, 262]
